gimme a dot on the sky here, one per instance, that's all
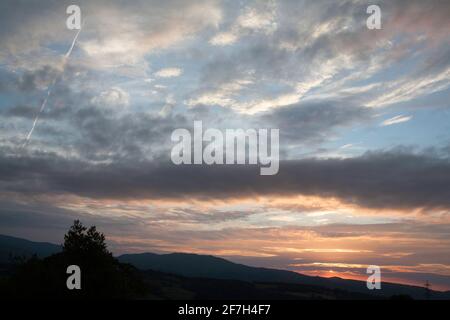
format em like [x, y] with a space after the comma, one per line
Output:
[364, 120]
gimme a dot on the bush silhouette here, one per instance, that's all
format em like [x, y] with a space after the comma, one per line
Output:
[102, 276]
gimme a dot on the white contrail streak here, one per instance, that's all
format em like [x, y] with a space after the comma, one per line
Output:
[73, 43]
[50, 88]
[44, 103]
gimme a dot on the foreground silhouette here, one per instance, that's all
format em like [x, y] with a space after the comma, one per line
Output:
[102, 276]
[162, 276]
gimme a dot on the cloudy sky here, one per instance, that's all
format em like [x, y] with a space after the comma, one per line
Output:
[364, 119]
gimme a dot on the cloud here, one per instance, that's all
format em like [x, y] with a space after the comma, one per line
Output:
[395, 120]
[41, 220]
[375, 180]
[257, 17]
[169, 72]
[28, 81]
[112, 98]
[317, 48]
[40, 78]
[411, 87]
[314, 121]
[408, 250]
[223, 39]
[108, 40]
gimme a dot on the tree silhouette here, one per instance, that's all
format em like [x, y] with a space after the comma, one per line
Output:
[102, 276]
[80, 240]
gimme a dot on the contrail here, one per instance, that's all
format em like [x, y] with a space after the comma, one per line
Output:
[50, 88]
[44, 103]
[73, 42]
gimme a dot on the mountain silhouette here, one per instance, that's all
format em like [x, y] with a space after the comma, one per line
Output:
[16, 247]
[192, 272]
[206, 266]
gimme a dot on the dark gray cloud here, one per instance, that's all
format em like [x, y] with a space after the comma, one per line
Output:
[133, 136]
[379, 180]
[25, 24]
[313, 121]
[30, 80]
[94, 130]
[27, 81]
[29, 112]
[104, 133]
